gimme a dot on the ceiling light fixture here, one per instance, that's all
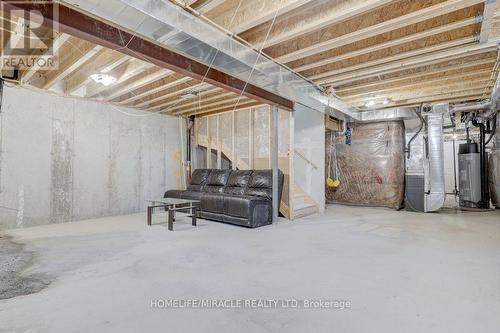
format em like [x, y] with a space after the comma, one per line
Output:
[373, 101]
[369, 104]
[104, 79]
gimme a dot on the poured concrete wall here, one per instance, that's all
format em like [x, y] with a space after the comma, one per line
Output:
[64, 159]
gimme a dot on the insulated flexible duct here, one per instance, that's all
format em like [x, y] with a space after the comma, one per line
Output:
[435, 187]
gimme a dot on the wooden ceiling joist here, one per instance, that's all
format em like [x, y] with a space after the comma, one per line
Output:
[473, 76]
[124, 72]
[58, 42]
[198, 100]
[406, 51]
[398, 22]
[405, 55]
[477, 93]
[236, 100]
[105, 35]
[204, 6]
[408, 76]
[172, 99]
[414, 62]
[162, 86]
[82, 53]
[484, 60]
[221, 102]
[326, 14]
[390, 43]
[219, 109]
[104, 62]
[415, 92]
[254, 12]
[153, 75]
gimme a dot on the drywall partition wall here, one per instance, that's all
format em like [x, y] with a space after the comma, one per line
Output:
[65, 159]
[309, 155]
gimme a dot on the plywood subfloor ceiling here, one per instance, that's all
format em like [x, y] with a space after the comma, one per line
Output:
[370, 53]
[379, 53]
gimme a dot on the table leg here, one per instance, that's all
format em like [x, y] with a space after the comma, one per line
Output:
[193, 216]
[150, 211]
[171, 220]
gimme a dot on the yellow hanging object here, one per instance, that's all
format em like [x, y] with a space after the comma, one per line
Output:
[332, 183]
[329, 181]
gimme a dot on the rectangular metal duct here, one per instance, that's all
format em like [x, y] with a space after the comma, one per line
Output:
[435, 187]
[425, 190]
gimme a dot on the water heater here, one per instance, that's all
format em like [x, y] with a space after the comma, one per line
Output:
[469, 168]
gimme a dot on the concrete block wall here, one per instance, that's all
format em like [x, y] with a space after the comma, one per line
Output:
[65, 159]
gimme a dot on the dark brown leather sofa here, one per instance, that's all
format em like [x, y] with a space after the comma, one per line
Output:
[241, 197]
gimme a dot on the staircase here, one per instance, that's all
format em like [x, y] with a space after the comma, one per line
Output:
[302, 204]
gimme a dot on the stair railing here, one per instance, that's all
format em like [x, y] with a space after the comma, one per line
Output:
[301, 155]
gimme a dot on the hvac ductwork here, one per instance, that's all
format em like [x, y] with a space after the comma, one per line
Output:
[179, 30]
[435, 187]
[470, 107]
[387, 114]
[425, 187]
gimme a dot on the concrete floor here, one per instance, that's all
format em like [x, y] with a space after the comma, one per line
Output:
[401, 271]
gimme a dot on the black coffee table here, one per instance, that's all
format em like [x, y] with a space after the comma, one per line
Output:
[172, 206]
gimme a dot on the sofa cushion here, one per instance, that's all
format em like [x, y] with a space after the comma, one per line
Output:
[265, 193]
[192, 195]
[211, 216]
[217, 181]
[238, 182]
[200, 176]
[241, 221]
[177, 194]
[239, 178]
[199, 179]
[260, 218]
[197, 188]
[261, 184]
[212, 202]
[243, 206]
[261, 179]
